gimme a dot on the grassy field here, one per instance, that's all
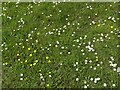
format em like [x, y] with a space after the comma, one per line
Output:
[60, 45]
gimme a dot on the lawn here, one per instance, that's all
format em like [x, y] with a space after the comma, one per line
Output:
[60, 45]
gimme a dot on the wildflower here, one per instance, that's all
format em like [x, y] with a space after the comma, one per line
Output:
[98, 25]
[30, 55]
[18, 55]
[34, 64]
[23, 46]
[20, 43]
[47, 57]
[48, 85]
[50, 76]
[104, 84]
[49, 61]
[113, 85]
[21, 79]
[111, 26]
[6, 63]
[31, 65]
[28, 48]
[36, 61]
[77, 79]
[21, 74]
[34, 51]
[25, 60]
[21, 62]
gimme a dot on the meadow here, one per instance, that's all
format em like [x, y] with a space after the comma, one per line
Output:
[60, 45]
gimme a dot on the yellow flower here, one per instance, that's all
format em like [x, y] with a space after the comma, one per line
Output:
[23, 46]
[111, 26]
[30, 55]
[49, 72]
[40, 70]
[31, 65]
[96, 56]
[48, 85]
[18, 55]
[6, 63]
[28, 48]
[36, 61]
[21, 62]
[49, 61]
[96, 59]
[28, 36]
[34, 51]
[34, 64]
[25, 60]
[20, 43]
[47, 57]
[98, 25]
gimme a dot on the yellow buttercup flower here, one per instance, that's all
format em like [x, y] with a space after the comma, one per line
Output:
[35, 51]
[98, 25]
[36, 61]
[47, 57]
[48, 85]
[23, 46]
[31, 65]
[25, 60]
[18, 55]
[111, 26]
[6, 63]
[28, 48]
[28, 36]
[49, 61]
[30, 55]
[96, 59]
[96, 56]
[49, 72]
[20, 43]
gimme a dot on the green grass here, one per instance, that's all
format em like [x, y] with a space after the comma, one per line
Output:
[54, 65]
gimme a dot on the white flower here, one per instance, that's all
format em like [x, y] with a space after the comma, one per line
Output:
[41, 77]
[94, 68]
[104, 84]
[21, 79]
[85, 86]
[49, 44]
[113, 85]
[68, 23]
[91, 79]
[118, 45]
[80, 37]
[50, 76]
[109, 17]
[59, 10]
[76, 69]
[77, 40]
[21, 74]
[118, 69]
[68, 52]
[77, 79]
[76, 63]
[97, 79]
[114, 65]
[62, 47]
[60, 52]
[57, 42]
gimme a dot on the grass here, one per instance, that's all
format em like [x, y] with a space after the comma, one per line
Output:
[60, 45]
